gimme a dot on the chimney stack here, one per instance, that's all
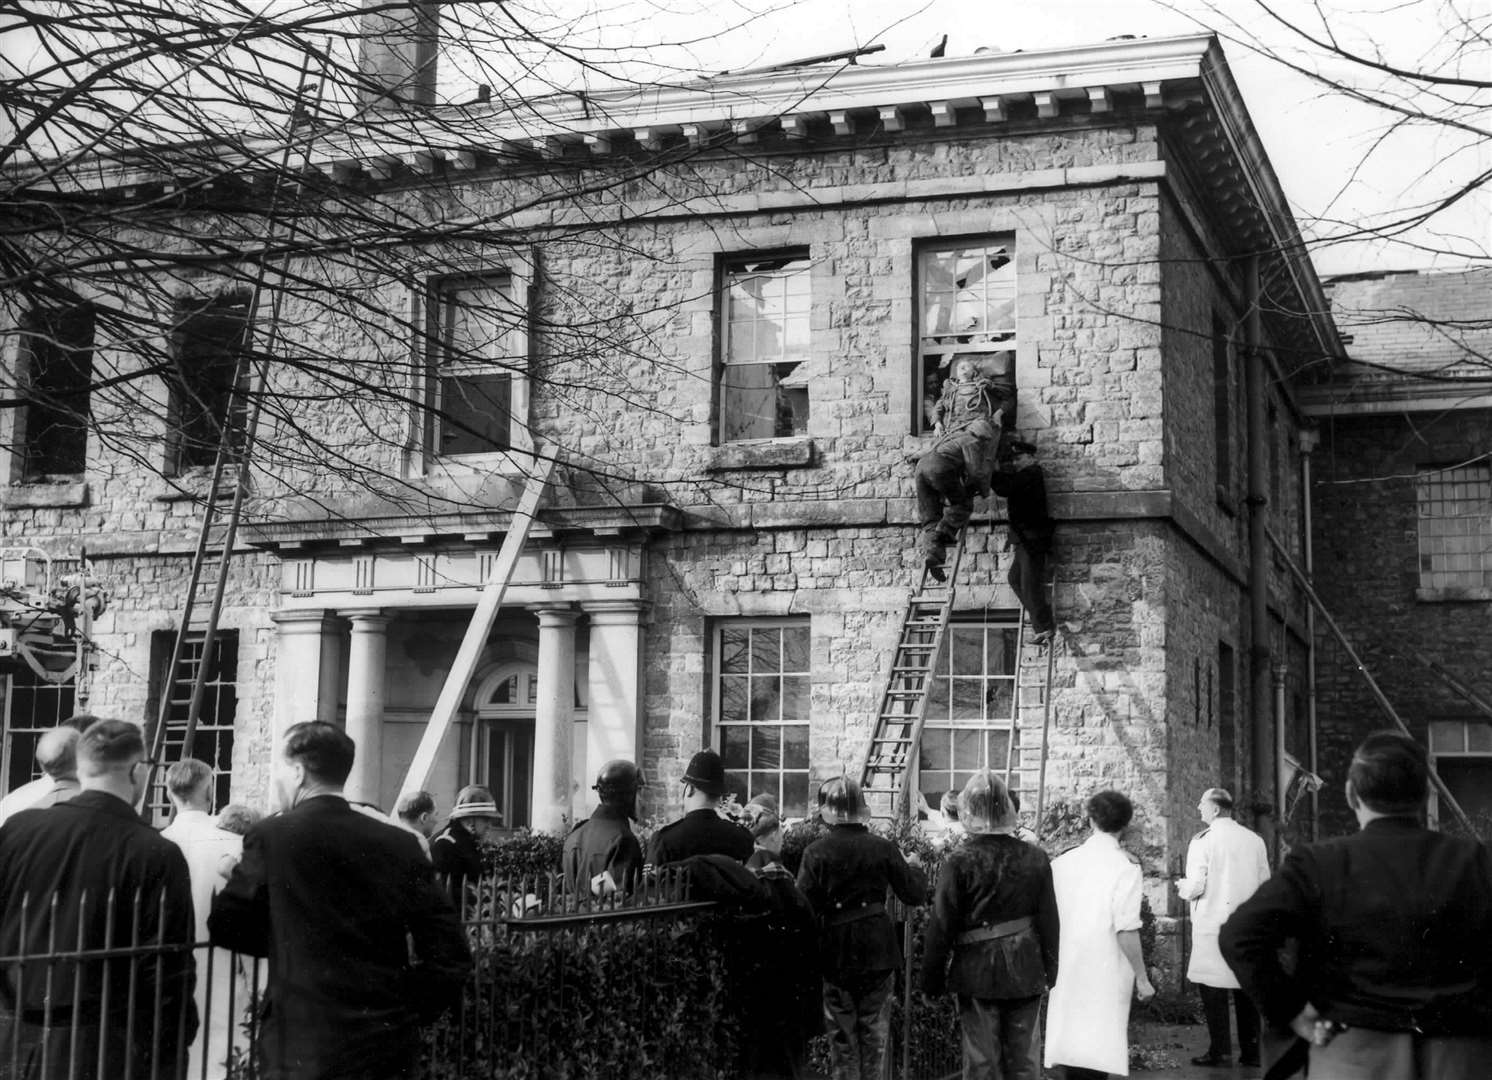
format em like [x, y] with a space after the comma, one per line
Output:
[397, 55]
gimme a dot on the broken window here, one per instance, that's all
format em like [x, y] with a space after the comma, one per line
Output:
[763, 375]
[967, 311]
[55, 379]
[1461, 755]
[762, 682]
[476, 395]
[971, 707]
[206, 382]
[1455, 526]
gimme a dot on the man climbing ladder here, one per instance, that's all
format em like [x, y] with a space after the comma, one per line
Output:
[1023, 486]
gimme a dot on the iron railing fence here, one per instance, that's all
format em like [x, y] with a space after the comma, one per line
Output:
[561, 985]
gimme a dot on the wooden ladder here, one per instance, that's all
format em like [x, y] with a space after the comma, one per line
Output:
[886, 778]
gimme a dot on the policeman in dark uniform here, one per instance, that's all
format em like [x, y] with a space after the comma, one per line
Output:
[601, 854]
[845, 875]
[701, 831]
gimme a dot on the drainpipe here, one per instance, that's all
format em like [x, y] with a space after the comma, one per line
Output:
[1309, 439]
[1263, 764]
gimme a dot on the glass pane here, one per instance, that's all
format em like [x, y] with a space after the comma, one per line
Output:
[766, 747]
[968, 700]
[1447, 736]
[968, 750]
[966, 649]
[1479, 737]
[937, 701]
[795, 746]
[475, 413]
[763, 401]
[997, 746]
[734, 745]
[1000, 650]
[766, 651]
[1001, 695]
[734, 690]
[733, 645]
[795, 648]
[934, 749]
[506, 692]
[795, 697]
[795, 795]
[766, 699]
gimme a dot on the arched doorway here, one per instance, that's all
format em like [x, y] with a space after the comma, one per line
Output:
[503, 751]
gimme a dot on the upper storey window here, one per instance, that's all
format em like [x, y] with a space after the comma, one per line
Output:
[966, 312]
[205, 381]
[1455, 527]
[763, 375]
[56, 373]
[477, 373]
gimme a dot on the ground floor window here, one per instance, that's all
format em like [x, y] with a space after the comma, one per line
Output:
[212, 740]
[1461, 750]
[33, 707]
[971, 705]
[761, 694]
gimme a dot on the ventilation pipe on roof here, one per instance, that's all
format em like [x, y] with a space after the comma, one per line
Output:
[398, 44]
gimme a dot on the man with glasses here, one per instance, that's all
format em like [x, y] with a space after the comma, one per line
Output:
[89, 875]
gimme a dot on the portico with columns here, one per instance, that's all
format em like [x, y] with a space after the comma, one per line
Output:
[368, 627]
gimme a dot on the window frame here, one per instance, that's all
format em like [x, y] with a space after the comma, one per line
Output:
[1454, 581]
[211, 724]
[1466, 753]
[38, 329]
[1009, 624]
[715, 736]
[432, 363]
[18, 748]
[726, 267]
[922, 391]
[179, 382]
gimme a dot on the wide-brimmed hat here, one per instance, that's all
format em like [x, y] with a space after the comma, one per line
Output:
[706, 772]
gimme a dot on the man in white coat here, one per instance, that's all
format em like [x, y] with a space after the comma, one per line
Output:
[1224, 865]
[1099, 961]
[211, 854]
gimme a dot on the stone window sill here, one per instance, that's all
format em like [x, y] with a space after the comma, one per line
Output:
[189, 487]
[762, 454]
[1452, 596]
[50, 495]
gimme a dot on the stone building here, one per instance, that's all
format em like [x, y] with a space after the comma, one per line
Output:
[1402, 498]
[728, 558]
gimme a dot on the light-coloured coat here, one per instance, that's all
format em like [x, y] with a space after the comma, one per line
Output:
[1224, 865]
[1098, 889]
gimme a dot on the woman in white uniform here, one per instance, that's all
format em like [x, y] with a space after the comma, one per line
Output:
[1099, 964]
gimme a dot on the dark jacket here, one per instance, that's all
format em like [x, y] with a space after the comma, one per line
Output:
[91, 844]
[1024, 491]
[604, 841]
[845, 875]
[1394, 926]
[699, 832]
[988, 880]
[457, 857]
[362, 945]
[974, 455]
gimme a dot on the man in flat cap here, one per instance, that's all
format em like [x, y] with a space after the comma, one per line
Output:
[701, 831]
[1023, 486]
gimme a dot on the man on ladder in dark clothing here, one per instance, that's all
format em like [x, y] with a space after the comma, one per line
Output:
[948, 476]
[1023, 486]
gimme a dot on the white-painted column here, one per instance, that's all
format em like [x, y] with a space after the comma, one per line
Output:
[365, 678]
[300, 676]
[614, 681]
[554, 717]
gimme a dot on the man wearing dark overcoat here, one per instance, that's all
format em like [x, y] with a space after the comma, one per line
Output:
[602, 855]
[701, 831]
[90, 874]
[1393, 930]
[845, 875]
[362, 944]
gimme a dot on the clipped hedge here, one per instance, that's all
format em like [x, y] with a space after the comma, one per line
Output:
[596, 1002]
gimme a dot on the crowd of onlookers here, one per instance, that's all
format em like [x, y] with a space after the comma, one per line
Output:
[355, 916]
